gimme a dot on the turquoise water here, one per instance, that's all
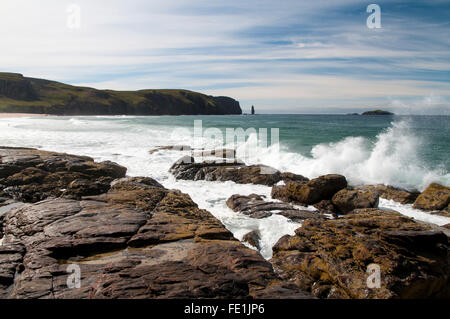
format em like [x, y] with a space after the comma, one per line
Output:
[404, 151]
[300, 133]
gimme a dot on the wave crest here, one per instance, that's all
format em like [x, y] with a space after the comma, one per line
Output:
[393, 158]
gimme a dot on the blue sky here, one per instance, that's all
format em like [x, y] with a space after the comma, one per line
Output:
[281, 56]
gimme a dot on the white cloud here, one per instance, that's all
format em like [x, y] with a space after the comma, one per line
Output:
[203, 44]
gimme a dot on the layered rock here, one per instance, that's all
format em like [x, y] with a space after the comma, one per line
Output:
[310, 192]
[402, 196]
[434, 197]
[347, 200]
[225, 170]
[138, 240]
[330, 258]
[11, 256]
[256, 206]
[32, 175]
[218, 152]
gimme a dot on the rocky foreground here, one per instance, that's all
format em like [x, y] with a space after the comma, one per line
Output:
[330, 254]
[133, 238]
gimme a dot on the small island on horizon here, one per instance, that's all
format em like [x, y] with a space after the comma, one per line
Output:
[375, 112]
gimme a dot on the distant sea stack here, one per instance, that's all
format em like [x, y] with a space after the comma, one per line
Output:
[378, 112]
[19, 94]
[253, 110]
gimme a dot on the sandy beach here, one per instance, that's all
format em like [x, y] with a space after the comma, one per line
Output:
[12, 115]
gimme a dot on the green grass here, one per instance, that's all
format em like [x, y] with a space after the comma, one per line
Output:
[50, 95]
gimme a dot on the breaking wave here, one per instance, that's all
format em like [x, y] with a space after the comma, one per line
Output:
[393, 158]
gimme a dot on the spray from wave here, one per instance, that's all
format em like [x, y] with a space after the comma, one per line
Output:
[393, 158]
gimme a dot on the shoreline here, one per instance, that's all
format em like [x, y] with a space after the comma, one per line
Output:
[16, 115]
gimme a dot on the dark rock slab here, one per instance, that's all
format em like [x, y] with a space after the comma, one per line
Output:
[256, 206]
[310, 192]
[138, 240]
[400, 195]
[229, 170]
[253, 238]
[32, 175]
[347, 200]
[11, 256]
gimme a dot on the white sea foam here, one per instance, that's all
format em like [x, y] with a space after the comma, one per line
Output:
[213, 195]
[409, 211]
[392, 159]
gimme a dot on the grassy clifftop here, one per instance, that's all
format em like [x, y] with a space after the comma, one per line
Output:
[20, 94]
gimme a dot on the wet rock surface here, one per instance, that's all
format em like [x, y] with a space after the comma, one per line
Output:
[32, 175]
[434, 197]
[256, 206]
[330, 257]
[253, 238]
[310, 192]
[392, 193]
[347, 200]
[11, 256]
[138, 240]
[229, 170]
[218, 152]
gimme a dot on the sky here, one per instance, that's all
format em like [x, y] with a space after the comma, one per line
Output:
[283, 56]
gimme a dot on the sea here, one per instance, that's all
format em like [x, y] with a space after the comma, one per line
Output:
[403, 151]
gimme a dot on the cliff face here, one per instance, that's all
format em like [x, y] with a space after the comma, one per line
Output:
[27, 95]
